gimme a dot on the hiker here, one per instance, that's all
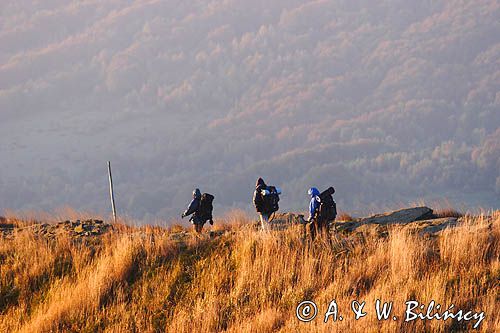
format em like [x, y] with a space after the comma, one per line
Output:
[322, 210]
[200, 208]
[265, 200]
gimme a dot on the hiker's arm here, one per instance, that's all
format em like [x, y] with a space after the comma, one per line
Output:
[193, 207]
[257, 200]
[313, 206]
[311, 211]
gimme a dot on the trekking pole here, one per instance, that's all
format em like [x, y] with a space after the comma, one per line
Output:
[111, 193]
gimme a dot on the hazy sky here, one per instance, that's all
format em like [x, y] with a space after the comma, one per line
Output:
[391, 102]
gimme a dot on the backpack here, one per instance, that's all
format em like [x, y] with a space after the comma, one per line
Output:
[206, 206]
[270, 200]
[327, 208]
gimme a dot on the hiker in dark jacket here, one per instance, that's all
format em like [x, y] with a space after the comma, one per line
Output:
[194, 210]
[258, 201]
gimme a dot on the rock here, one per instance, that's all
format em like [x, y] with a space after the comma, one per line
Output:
[347, 226]
[283, 220]
[6, 228]
[436, 225]
[372, 231]
[90, 227]
[378, 223]
[402, 216]
[372, 225]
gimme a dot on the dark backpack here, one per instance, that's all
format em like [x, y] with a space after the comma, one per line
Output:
[206, 206]
[270, 201]
[327, 208]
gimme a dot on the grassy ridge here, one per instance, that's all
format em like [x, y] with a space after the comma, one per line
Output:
[147, 279]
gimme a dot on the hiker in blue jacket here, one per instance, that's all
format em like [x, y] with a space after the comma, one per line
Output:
[314, 203]
[314, 225]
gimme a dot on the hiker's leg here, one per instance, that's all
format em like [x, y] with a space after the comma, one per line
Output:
[319, 229]
[268, 225]
[312, 230]
[264, 220]
[198, 224]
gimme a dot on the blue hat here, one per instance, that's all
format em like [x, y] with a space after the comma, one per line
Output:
[313, 191]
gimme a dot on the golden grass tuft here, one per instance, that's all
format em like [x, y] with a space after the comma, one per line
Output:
[448, 212]
[344, 217]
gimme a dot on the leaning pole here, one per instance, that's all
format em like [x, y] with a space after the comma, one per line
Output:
[111, 193]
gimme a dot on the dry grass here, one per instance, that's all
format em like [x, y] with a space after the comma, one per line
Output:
[344, 217]
[141, 279]
[448, 212]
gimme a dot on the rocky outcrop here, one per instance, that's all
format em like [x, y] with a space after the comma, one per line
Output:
[87, 227]
[419, 219]
[6, 227]
[435, 225]
[76, 228]
[283, 220]
[402, 216]
[290, 218]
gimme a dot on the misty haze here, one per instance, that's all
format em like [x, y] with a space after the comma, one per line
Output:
[391, 102]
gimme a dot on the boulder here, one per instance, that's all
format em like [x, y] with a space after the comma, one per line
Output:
[435, 225]
[403, 216]
[419, 219]
[283, 220]
[347, 226]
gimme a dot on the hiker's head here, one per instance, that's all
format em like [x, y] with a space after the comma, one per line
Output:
[313, 191]
[196, 193]
[260, 182]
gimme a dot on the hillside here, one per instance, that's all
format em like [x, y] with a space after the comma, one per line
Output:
[87, 276]
[393, 96]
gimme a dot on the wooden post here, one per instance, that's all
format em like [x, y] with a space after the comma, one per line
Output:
[111, 193]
